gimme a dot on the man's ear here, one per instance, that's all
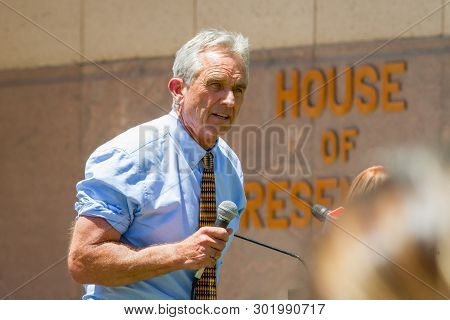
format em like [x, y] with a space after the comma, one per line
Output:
[176, 86]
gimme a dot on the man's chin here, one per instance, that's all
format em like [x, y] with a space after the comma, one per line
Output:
[211, 133]
[219, 129]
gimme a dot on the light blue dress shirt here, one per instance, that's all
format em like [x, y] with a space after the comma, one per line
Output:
[146, 184]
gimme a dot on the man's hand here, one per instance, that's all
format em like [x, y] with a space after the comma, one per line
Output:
[203, 248]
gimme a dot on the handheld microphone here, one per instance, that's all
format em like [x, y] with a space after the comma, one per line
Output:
[226, 212]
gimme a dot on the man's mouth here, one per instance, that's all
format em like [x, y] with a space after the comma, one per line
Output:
[221, 116]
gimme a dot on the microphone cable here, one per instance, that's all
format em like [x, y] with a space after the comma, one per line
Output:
[274, 249]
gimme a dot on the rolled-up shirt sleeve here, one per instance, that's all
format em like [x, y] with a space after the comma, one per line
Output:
[104, 191]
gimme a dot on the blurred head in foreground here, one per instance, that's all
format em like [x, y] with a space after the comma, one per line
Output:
[393, 241]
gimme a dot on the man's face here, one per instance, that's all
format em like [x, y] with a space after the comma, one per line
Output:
[212, 102]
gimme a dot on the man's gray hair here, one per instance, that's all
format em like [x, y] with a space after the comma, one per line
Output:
[187, 63]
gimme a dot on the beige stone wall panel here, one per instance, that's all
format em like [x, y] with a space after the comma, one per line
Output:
[268, 23]
[24, 45]
[117, 29]
[365, 20]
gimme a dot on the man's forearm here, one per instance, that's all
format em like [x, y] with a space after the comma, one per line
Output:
[116, 264]
[97, 256]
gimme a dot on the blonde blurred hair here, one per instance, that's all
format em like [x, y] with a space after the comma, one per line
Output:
[367, 183]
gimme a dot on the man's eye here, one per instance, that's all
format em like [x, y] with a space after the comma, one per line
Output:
[216, 85]
[239, 90]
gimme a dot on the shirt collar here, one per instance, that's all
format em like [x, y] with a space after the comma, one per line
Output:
[192, 151]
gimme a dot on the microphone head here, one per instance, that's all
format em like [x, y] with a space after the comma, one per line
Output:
[320, 212]
[227, 211]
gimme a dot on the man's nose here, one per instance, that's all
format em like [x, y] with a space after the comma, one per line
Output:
[229, 98]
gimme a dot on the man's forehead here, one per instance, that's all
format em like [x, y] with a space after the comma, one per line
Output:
[215, 59]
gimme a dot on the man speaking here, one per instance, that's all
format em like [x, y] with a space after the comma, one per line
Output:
[147, 205]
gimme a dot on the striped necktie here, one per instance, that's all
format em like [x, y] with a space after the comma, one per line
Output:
[206, 286]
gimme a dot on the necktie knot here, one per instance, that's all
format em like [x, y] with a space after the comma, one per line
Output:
[208, 161]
